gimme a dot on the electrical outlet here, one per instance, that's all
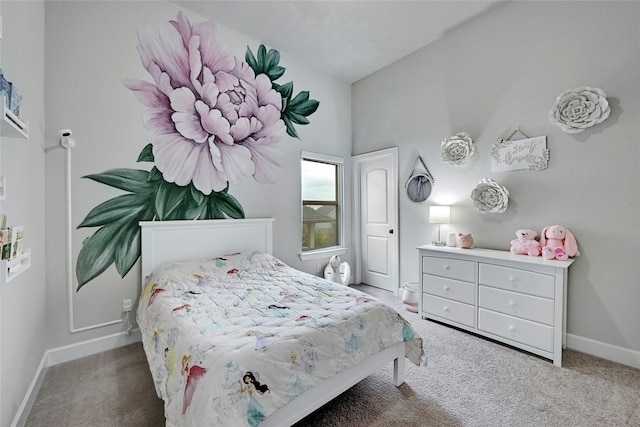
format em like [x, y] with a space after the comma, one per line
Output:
[126, 305]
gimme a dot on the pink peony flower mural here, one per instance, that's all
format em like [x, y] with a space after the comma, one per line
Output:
[216, 119]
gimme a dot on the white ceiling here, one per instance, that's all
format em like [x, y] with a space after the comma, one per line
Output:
[347, 39]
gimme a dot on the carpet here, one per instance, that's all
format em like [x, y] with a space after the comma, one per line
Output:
[468, 381]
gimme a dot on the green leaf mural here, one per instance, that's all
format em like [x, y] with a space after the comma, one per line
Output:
[266, 63]
[294, 111]
[201, 115]
[118, 238]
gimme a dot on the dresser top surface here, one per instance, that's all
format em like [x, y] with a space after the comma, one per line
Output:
[494, 254]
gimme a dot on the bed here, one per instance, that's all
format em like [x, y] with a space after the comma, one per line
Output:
[234, 336]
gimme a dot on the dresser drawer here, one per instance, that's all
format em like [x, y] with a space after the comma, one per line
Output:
[513, 279]
[451, 289]
[450, 268]
[515, 304]
[449, 309]
[523, 331]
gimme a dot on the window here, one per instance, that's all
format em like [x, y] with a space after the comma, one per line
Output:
[322, 182]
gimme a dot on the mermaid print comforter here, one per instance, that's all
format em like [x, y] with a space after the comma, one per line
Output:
[231, 339]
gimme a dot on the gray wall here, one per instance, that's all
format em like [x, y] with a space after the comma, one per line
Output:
[90, 48]
[497, 72]
[504, 70]
[22, 301]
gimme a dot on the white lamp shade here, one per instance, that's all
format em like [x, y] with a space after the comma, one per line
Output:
[439, 214]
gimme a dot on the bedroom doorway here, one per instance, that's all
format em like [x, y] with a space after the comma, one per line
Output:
[376, 215]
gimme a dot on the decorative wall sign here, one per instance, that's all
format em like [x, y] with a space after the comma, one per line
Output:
[528, 153]
[419, 183]
[580, 108]
[490, 197]
[457, 149]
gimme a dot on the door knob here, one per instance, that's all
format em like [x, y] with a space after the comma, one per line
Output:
[391, 231]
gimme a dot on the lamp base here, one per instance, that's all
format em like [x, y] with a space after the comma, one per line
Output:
[438, 243]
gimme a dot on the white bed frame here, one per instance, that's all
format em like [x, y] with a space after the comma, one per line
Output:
[178, 240]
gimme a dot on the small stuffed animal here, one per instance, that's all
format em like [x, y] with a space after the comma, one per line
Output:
[335, 262]
[558, 243]
[338, 271]
[465, 241]
[526, 243]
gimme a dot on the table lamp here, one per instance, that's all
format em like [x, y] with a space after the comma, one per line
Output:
[439, 215]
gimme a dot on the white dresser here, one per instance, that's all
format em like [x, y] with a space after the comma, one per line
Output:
[515, 299]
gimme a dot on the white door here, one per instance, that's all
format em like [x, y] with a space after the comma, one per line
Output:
[377, 185]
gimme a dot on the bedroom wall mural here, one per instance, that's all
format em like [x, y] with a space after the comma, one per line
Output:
[216, 119]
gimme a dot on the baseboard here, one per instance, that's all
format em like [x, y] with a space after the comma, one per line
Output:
[87, 348]
[30, 397]
[610, 352]
[67, 353]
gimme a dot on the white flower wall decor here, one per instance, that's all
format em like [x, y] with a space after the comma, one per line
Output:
[457, 149]
[490, 197]
[580, 108]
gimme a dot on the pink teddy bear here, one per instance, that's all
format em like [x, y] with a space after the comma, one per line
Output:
[526, 243]
[558, 243]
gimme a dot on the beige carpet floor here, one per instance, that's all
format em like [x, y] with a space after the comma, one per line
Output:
[469, 381]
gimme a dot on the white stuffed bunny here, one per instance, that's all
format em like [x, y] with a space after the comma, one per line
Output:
[338, 271]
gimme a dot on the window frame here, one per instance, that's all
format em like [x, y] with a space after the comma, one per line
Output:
[340, 248]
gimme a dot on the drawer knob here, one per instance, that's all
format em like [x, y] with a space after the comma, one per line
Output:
[512, 303]
[445, 287]
[512, 279]
[512, 328]
[446, 267]
[445, 308]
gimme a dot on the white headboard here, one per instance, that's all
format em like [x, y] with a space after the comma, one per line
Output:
[179, 240]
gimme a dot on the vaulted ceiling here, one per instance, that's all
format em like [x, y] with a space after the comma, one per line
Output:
[347, 39]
